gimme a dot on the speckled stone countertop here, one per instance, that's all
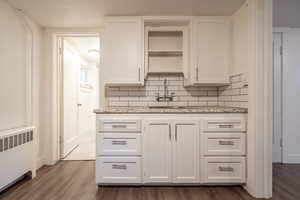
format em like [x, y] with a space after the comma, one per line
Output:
[179, 110]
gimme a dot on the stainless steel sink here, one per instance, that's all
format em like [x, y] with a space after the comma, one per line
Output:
[167, 107]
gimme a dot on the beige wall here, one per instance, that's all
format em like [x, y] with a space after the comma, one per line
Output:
[14, 74]
[14, 67]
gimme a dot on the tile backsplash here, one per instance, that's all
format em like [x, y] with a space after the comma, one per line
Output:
[233, 95]
[236, 94]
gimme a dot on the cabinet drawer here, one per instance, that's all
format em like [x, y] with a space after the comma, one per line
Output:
[224, 125]
[218, 144]
[119, 125]
[118, 144]
[223, 170]
[118, 170]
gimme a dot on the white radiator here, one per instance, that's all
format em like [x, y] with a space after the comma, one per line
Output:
[16, 155]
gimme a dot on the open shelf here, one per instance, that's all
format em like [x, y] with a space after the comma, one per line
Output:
[164, 49]
[165, 53]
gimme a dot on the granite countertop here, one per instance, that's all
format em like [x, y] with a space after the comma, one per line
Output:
[179, 110]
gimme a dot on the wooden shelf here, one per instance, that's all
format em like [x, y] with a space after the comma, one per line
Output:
[164, 49]
[163, 53]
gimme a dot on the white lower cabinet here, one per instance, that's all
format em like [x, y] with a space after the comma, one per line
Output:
[223, 151]
[157, 152]
[186, 152]
[223, 170]
[118, 170]
[208, 149]
[118, 144]
[223, 144]
[171, 152]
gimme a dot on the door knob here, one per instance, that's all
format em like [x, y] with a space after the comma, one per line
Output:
[79, 104]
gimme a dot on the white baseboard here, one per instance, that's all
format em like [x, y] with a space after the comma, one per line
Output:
[40, 162]
[292, 159]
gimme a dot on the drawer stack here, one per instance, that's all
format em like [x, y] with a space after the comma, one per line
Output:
[118, 151]
[223, 151]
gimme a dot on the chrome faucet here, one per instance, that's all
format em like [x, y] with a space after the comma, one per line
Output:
[166, 96]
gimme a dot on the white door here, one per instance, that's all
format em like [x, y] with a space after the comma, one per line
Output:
[87, 101]
[123, 51]
[291, 96]
[157, 152]
[277, 96]
[210, 51]
[186, 152]
[70, 71]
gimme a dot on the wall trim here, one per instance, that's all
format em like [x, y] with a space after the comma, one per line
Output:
[293, 159]
[260, 112]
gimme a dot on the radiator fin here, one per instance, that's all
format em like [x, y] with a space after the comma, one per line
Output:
[12, 141]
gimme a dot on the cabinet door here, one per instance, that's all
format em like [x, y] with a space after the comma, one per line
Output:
[186, 152]
[123, 51]
[157, 152]
[210, 51]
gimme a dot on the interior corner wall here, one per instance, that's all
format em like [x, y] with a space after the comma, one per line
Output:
[37, 65]
[259, 138]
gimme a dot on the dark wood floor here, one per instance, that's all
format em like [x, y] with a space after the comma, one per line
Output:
[75, 180]
[286, 182]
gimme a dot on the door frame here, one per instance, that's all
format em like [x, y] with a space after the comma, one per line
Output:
[276, 107]
[61, 46]
[53, 40]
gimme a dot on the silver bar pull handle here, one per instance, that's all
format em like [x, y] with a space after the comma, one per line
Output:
[197, 75]
[176, 133]
[139, 71]
[117, 142]
[225, 125]
[226, 169]
[170, 132]
[226, 142]
[119, 126]
[115, 166]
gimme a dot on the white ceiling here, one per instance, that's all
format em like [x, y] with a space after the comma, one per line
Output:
[286, 13]
[89, 13]
[84, 44]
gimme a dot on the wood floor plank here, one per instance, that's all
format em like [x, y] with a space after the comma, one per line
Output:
[75, 180]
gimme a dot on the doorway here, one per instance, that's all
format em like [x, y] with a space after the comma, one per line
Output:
[286, 61]
[79, 58]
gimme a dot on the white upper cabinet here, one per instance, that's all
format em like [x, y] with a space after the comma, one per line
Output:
[210, 51]
[123, 51]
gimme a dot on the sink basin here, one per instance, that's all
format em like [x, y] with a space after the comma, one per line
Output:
[167, 107]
